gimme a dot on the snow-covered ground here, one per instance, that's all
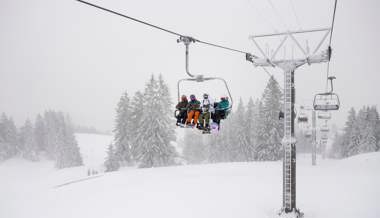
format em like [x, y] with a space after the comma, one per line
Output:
[347, 188]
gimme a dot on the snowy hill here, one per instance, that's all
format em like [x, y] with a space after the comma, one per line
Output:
[334, 188]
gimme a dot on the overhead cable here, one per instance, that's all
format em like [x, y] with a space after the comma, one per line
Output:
[162, 29]
[295, 14]
[330, 40]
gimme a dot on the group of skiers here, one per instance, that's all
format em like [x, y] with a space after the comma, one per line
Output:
[198, 113]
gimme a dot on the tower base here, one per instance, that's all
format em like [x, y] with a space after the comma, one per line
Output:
[293, 214]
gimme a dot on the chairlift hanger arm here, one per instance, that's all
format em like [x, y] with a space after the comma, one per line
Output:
[331, 78]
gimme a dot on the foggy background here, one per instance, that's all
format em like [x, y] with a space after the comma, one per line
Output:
[64, 55]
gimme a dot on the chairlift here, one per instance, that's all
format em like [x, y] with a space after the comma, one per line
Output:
[327, 101]
[199, 78]
[302, 118]
[324, 115]
[308, 133]
[325, 128]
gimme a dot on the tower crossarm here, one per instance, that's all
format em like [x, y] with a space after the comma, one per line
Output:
[271, 61]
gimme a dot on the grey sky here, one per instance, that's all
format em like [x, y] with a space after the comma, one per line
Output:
[63, 55]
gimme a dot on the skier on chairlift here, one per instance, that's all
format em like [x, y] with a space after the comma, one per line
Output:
[182, 108]
[221, 110]
[193, 111]
[207, 107]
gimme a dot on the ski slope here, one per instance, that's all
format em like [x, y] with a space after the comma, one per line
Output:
[347, 188]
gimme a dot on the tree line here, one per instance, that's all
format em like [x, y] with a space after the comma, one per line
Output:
[361, 134]
[50, 136]
[144, 131]
[144, 128]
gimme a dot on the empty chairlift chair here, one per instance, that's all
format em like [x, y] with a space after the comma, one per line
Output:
[325, 129]
[324, 115]
[327, 101]
[308, 133]
[302, 117]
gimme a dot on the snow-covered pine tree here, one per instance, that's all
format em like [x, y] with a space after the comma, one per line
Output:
[137, 105]
[271, 128]
[349, 135]
[3, 149]
[367, 126]
[112, 159]
[194, 150]
[68, 154]
[12, 137]
[40, 133]
[9, 135]
[251, 128]
[216, 147]
[258, 128]
[122, 130]
[155, 131]
[4, 145]
[336, 150]
[220, 146]
[374, 119]
[51, 139]
[241, 150]
[28, 146]
[361, 132]
[165, 108]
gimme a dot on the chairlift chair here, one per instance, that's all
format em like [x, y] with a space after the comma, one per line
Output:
[324, 115]
[308, 134]
[327, 101]
[302, 118]
[325, 128]
[199, 78]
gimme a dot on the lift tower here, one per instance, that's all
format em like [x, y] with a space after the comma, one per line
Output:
[289, 66]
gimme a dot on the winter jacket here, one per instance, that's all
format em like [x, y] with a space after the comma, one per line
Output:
[194, 105]
[182, 105]
[207, 105]
[223, 105]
